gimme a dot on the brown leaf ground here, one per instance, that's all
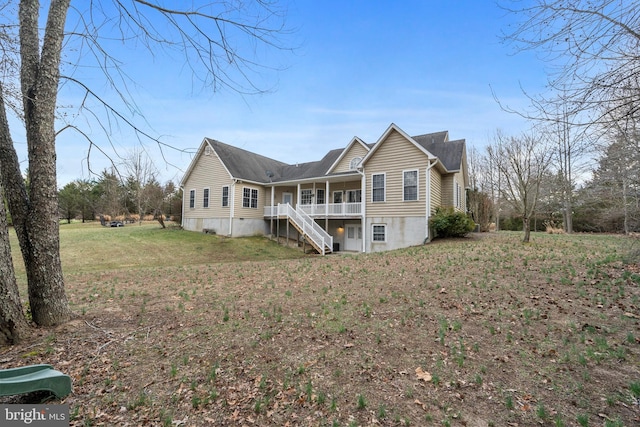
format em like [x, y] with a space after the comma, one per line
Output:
[511, 335]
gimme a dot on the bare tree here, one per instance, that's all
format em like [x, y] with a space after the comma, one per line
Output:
[571, 152]
[204, 33]
[480, 202]
[140, 173]
[521, 163]
[592, 48]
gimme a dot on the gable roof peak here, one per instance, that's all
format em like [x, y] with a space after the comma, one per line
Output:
[393, 127]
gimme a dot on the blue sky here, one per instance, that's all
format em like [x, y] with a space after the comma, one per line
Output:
[357, 66]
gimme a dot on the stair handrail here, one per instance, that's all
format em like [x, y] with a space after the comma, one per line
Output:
[308, 226]
[326, 237]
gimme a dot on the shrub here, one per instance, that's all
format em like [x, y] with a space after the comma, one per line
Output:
[448, 223]
[551, 228]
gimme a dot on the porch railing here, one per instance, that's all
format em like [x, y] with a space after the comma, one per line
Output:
[331, 210]
[322, 239]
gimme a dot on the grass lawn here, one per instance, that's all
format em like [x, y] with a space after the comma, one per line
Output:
[179, 328]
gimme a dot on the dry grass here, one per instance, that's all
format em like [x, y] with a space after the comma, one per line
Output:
[545, 333]
[551, 228]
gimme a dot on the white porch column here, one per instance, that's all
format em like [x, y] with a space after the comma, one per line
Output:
[326, 206]
[363, 201]
[273, 196]
[232, 194]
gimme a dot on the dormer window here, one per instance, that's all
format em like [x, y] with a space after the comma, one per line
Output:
[354, 163]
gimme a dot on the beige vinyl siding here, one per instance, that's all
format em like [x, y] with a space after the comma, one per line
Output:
[242, 212]
[436, 190]
[320, 185]
[208, 172]
[343, 186]
[277, 198]
[447, 191]
[392, 158]
[356, 150]
[459, 178]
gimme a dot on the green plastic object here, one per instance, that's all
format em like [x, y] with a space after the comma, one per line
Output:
[28, 379]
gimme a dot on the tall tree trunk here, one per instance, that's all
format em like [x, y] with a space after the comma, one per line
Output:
[625, 205]
[13, 325]
[40, 235]
[12, 321]
[568, 215]
[526, 228]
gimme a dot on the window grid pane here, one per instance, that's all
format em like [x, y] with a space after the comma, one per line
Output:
[378, 188]
[254, 199]
[246, 197]
[205, 198]
[411, 185]
[306, 197]
[379, 233]
[225, 196]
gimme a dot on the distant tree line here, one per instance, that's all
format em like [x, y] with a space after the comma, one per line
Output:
[604, 197]
[578, 169]
[113, 196]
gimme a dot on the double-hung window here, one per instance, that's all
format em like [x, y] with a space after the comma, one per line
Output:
[225, 196]
[379, 233]
[306, 197]
[192, 199]
[354, 196]
[410, 185]
[377, 187]
[249, 198]
[205, 198]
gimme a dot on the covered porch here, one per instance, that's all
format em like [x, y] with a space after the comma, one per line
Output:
[336, 197]
[327, 210]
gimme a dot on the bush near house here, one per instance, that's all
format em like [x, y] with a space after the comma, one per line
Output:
[448, 223]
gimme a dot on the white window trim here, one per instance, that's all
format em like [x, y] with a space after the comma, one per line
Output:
[206, 199]
[417, 185]
[353, 164]
[287, 193]
[384, 193]
[349, 193]
[373, 226]
[222, 196]
[194, 192]
[251, 190]
[306, 195]
[324, 199]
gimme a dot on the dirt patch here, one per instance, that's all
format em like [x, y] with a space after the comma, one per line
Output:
[509, 334]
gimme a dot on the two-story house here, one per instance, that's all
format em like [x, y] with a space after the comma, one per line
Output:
[364, 197]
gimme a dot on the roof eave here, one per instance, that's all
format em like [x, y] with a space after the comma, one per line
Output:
[354, 140]
[313, 179]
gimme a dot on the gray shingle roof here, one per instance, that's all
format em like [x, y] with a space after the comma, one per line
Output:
[246, 165]
[448, 152]
[243, 164]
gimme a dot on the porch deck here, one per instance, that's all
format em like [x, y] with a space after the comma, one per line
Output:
[327, 210]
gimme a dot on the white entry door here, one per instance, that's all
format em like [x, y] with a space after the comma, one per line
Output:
[287, 198]
[353, 237]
